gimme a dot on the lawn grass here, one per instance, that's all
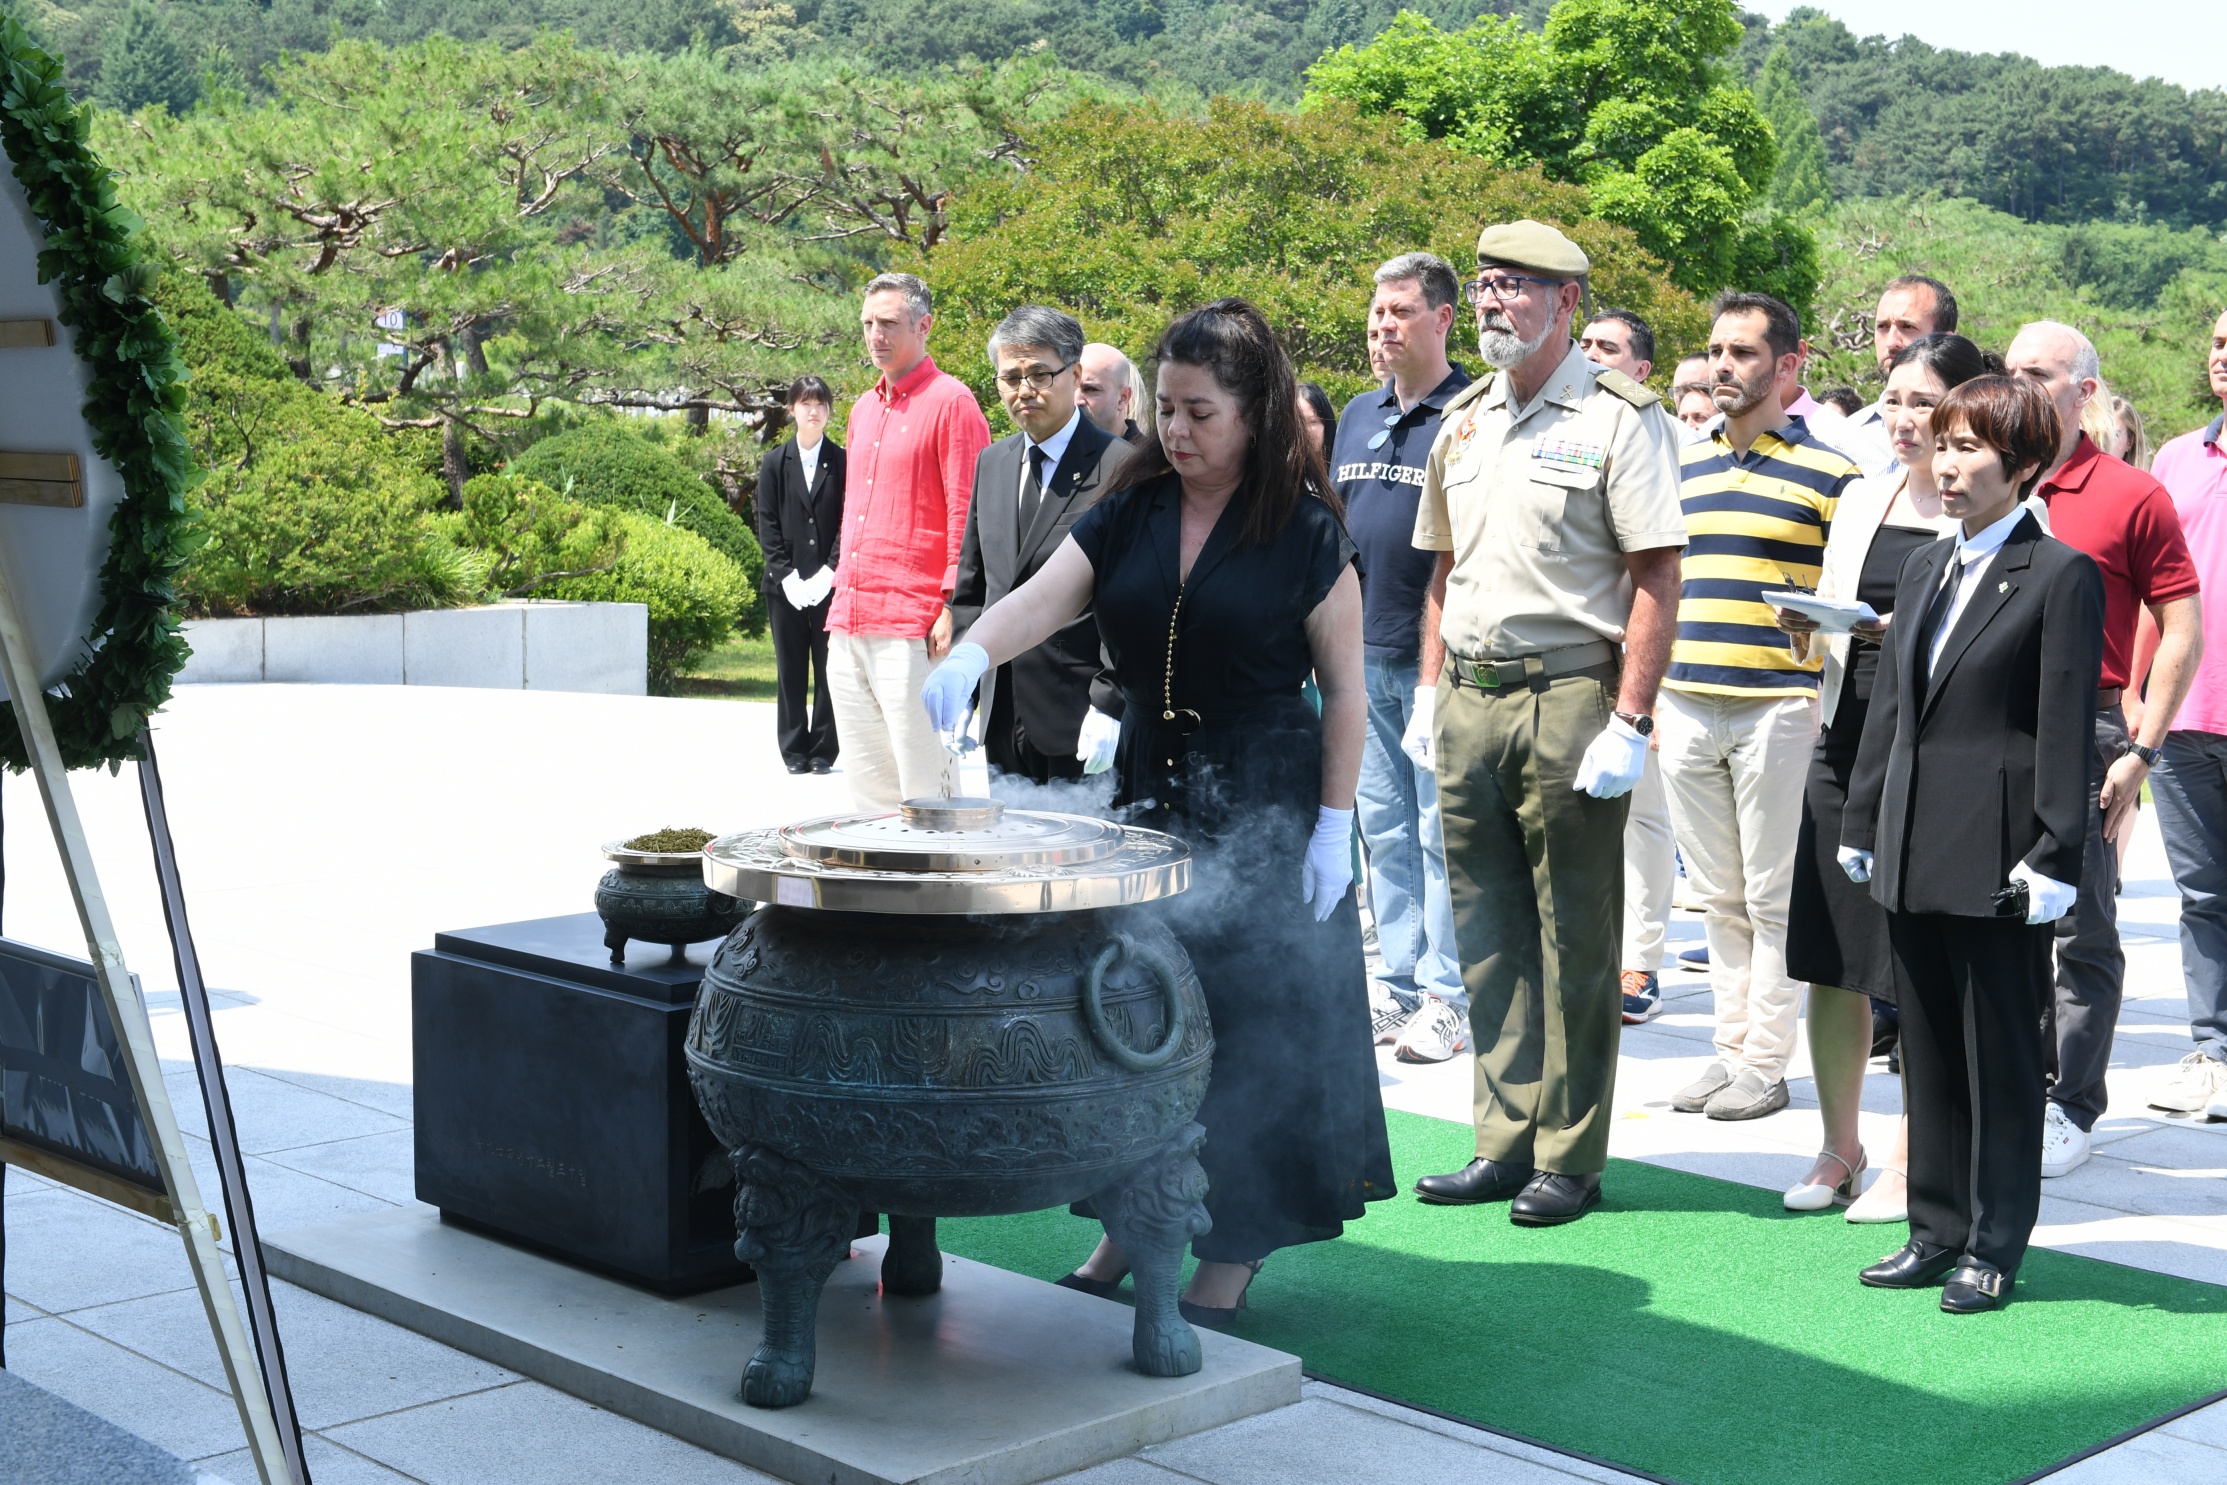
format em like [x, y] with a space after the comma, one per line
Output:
[739, 670]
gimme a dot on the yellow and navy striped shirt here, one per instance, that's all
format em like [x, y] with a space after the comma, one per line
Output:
[1752, 523]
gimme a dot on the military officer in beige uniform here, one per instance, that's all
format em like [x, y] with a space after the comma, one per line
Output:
[1551, 497]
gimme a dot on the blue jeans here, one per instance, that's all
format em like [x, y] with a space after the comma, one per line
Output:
[2189, 787]
[1397, 808]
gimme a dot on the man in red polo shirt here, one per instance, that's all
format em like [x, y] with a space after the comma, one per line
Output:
[2125, 521]
[912, 441]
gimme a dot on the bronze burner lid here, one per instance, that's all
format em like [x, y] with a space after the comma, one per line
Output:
[950, 856]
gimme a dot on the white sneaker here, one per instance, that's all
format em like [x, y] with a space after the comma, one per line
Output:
[1387, 1014]
[2064, 1144]
[1433, 1034]
[2217, 1108]
[2191, 1086]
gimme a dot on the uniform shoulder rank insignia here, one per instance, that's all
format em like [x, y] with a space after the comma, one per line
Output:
[1638, 395]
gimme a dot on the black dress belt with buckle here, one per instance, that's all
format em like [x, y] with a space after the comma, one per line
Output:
[1528, 670]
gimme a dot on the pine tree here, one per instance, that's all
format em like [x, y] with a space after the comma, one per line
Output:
[1799, 184]
[142, 64]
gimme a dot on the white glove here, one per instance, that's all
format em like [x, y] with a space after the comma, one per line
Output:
[2047, 899]
[796, 590]
[948, 693]
[1094, 745]
[1419, 741]
[818, 586]
[1329, 869]
[1613, 762]
[1856, 863]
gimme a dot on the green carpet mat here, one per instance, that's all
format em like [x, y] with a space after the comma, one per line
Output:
[1694, 1329]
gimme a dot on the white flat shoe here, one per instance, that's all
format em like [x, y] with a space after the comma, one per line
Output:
[1874, 1207]
[1815, 1196]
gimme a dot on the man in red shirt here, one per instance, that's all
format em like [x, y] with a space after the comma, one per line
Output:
[2125, 521]
[912, 441]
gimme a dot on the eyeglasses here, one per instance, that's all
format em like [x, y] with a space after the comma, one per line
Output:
[1391, 421]
[1036, 381]
[1501, 287]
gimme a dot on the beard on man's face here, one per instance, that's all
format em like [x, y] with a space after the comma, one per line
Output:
[1735, 397]
[1501, 345]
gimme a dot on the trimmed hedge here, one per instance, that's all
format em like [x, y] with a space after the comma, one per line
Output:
[693, 591]
[603, 462]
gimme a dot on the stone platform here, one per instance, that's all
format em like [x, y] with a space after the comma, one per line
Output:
[998, 1380]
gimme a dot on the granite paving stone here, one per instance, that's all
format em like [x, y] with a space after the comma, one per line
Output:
[164, 1407]
[344, 1364]
[2156, 1458]
[1318, 1440]
[528, 1434]
[329, 1464]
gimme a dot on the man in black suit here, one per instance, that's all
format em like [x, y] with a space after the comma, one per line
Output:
[1968, 814]
[800, 516]
[1029, 489]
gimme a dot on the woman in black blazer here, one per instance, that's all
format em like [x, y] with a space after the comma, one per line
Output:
[800, 516]
[1967, 813]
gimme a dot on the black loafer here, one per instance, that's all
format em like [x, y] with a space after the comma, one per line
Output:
[1911, 1266]
[798, 767]
[1479, 1181]
[1973, 1287]
[1553, 1199]
[821, 765]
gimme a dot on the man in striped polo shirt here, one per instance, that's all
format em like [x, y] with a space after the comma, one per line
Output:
[1738, 715]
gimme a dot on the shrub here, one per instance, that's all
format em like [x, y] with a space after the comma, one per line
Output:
[529, 536]
[605, 463]
[693, 590]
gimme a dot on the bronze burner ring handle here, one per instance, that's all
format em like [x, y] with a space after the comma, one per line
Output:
[1094, 1006]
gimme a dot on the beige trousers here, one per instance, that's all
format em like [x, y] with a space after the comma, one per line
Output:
[1734, 768]
[890, 751]
[1650, 870]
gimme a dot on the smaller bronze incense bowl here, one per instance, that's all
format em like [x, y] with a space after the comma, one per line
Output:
[655, 893]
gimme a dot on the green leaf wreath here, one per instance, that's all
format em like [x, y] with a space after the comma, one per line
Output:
[93, 257]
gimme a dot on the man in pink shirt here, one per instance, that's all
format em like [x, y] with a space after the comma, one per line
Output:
[912, 441]
[2190, 781]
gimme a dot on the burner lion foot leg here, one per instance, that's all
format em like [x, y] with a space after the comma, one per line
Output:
[912, 1265]
[1153, 1216]
[793, 1226]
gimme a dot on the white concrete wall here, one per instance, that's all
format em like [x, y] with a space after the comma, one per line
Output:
[533, 646]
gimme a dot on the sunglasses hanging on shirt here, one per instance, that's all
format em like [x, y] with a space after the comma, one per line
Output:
[1391, 421]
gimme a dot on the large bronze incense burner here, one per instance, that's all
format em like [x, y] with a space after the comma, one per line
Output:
[950, 1011]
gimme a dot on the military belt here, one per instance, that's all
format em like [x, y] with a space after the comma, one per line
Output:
[1529, 670]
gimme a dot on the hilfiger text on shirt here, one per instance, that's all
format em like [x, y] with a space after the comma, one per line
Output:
[1394, 474]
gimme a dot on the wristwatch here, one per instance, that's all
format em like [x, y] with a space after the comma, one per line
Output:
[1639, 722]
[2147, 755]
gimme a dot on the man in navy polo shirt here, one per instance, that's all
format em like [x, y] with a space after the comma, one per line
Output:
[1384, 441]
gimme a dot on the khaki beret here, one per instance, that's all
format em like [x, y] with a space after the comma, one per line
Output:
[1533, 245]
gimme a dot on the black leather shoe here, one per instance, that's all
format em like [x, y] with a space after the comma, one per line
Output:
[821, 765]
[1083, 1283]
[1553, 1199]
[1479, 1181]
[1911, 1266]
[1974, 1286]
[795, 766]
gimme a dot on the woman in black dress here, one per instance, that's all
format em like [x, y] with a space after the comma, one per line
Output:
[1221, 575]
[1836, 936]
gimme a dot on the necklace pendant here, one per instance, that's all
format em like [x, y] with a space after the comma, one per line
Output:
[1167, 716]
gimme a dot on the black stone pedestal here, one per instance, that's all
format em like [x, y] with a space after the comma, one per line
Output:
[553, 1104]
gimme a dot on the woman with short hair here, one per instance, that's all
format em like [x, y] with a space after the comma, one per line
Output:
[1220, 572]
[1968, 815]
[1836, 936]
